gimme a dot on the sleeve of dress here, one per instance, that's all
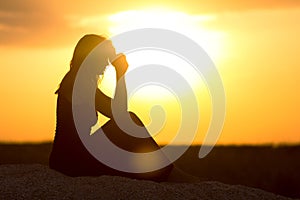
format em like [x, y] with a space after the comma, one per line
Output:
[103, 103]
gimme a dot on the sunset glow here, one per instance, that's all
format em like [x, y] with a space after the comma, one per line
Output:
[254, 46]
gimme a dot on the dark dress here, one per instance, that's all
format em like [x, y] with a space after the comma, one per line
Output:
[69, 154]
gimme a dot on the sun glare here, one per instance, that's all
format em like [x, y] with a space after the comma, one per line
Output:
[189, 25]
[147, 97]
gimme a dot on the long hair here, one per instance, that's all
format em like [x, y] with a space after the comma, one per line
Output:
[84, 46]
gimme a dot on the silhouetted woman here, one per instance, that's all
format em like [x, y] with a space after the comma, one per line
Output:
[69, 154]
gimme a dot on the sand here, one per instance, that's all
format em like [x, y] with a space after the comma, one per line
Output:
[39, 182]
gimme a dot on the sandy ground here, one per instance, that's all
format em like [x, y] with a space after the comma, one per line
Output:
[39, 182]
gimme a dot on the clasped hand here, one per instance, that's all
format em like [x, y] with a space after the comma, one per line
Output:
[120, 64]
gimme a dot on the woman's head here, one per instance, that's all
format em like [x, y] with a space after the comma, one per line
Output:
[85, 45]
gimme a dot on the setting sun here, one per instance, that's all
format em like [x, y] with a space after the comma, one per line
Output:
[143, 100]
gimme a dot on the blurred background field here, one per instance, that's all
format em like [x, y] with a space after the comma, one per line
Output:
[271, 168]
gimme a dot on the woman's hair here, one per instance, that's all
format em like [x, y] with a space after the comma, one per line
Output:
[84, 46]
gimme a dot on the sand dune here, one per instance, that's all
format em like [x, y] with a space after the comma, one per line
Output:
[39, 182]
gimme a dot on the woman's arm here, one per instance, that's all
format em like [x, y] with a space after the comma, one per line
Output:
[103, 103]
[120, 98]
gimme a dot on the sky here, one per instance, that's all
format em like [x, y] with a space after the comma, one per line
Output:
[255, 46]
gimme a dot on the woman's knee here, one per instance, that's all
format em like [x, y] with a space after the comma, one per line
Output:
[135, 118]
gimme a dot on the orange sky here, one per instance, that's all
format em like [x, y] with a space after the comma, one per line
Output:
[258, 60]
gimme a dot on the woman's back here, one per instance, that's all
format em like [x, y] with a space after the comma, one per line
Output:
[69, 155]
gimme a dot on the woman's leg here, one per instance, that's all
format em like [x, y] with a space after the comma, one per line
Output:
[129, 142]
[137, 145]
[143, 145]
